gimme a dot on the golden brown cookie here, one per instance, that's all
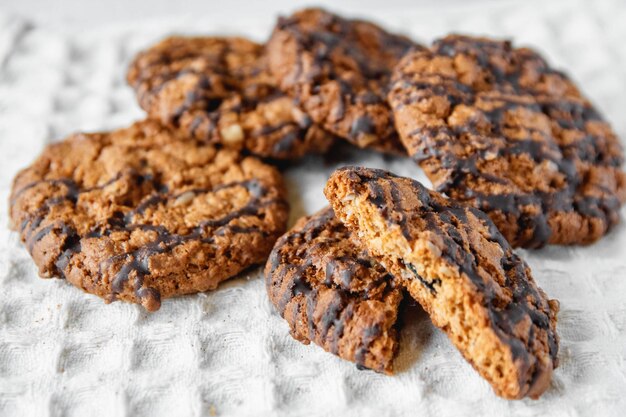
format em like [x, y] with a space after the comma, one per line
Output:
[219, 90]
[496, 127]
[333, 293]
[338, 70]
[459, 267]
[145, 213]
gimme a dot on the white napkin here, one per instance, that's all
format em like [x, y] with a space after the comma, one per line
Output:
[65, 353]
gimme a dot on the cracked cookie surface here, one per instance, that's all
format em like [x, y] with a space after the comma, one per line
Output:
[145, 213]
[495, 126]
[219, 89]
[331, 292]
[338, 70]
[461, 269]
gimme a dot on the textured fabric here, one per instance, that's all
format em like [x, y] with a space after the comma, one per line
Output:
[65, 353]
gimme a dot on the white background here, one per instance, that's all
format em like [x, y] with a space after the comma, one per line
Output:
[81, 13]
[65, 353]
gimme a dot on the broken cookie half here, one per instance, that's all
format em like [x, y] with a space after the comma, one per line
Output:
[460, 268]
[331, 292]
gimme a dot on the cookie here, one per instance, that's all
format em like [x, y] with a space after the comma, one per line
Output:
[145, 213]
[496, 127]
[454, 261]
[219, 90]
[331, 292]
[338, 70]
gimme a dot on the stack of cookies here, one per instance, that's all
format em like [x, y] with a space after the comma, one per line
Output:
[192, 196]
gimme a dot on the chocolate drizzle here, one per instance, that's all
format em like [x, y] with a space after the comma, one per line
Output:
[343, 64]
[450, 223]
[318, 280]
[132, 267]
[454, 155]
[215, 90]
[369, 335]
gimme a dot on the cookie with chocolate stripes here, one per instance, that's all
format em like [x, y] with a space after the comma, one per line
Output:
[331, 292]
[144, 213]
[219, 90]
[461, 269]
[338, 70]
[497, 127]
